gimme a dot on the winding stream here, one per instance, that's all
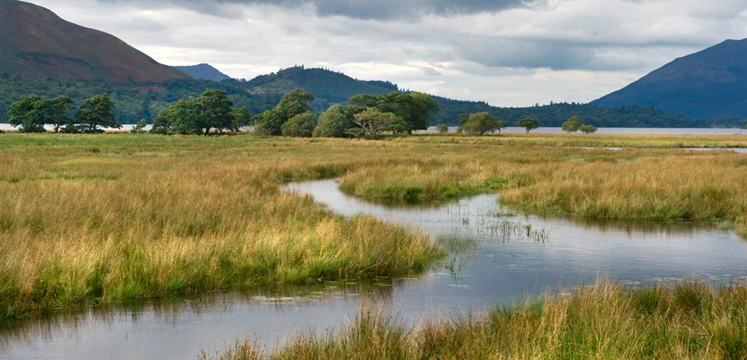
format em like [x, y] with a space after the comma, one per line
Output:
[496, 257]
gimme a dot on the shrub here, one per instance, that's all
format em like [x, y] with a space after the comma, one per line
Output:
[335, 122]
[300, 125]
[588, 129]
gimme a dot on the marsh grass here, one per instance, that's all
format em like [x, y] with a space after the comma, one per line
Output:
[588, 140]
[662, 185]
[99, 219]
[605, 321]
[121, 218]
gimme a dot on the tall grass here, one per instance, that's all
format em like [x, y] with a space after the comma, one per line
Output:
[606, 321]
[88, 219]
[587, 140]
[655, 185]
[123, 218]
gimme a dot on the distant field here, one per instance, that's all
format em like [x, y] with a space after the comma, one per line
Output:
[97, 219]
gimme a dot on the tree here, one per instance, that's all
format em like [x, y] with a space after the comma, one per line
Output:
[300, 125]
[61, 107]
[527, 123]
[480, 123]
[139, 127]
[442, 128]
[461, 120]
[28, 113]
[293, 103]
[181, 117]
[335, 122]
[744, 124]
[97, 111]
[372, 122]
[573, 124]
[588, 129]
[215, 111]
[195, 116]
[414, 109]
[501, 124]
[241, 118]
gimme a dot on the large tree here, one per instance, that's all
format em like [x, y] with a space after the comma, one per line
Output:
[61, 107]
[97, 111]
[293, 103]
[181, 117]
[414, 109]
[335, 122]
[215, 111]
[29, 114]
[371, 123]
[480, 123]
[194, 116]
[301, 125]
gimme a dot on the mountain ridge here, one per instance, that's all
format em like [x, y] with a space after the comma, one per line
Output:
[709, 84]
[37, 42]
[203, 71]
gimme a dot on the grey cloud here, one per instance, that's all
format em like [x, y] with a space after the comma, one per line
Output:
[497, 52]
[364, 9]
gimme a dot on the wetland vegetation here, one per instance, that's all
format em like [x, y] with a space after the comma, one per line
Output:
[604, 321]
[111, 218]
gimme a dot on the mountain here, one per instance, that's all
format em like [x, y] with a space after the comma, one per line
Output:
[45, 55]
[36, 42]
[710, 84]
[331, 87]
[328, 87]
[203, 72]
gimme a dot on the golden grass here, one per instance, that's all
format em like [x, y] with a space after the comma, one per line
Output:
[635, 184]
[587, 140]
[606, 321]
[89, 219]
[116, 222]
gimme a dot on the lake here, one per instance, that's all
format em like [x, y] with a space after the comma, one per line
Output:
[496, 256]
[622, 131]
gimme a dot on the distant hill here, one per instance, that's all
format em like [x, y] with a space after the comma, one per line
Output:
[45, 55]
[711, 84]
[41, 54]
[331, 87]
[328, 87]
[203, 72]
[35, 41]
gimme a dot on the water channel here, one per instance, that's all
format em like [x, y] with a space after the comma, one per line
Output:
[496, 256]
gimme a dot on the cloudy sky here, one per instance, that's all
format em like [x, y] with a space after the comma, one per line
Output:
[505, 52]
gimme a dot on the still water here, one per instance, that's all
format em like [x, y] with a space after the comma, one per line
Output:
[496, 257]
[622, 131]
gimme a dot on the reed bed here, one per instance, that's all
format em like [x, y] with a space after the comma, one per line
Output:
[97, 219]
[662, 185]
[605, 321]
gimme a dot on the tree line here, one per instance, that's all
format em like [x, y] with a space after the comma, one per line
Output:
[213, 111]
[363, 116]
[483, 122]
[366, 116]
[31, 113]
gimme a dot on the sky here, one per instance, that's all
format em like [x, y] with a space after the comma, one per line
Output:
[504, 52]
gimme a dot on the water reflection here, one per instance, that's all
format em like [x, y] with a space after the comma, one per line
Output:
[495, 256]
